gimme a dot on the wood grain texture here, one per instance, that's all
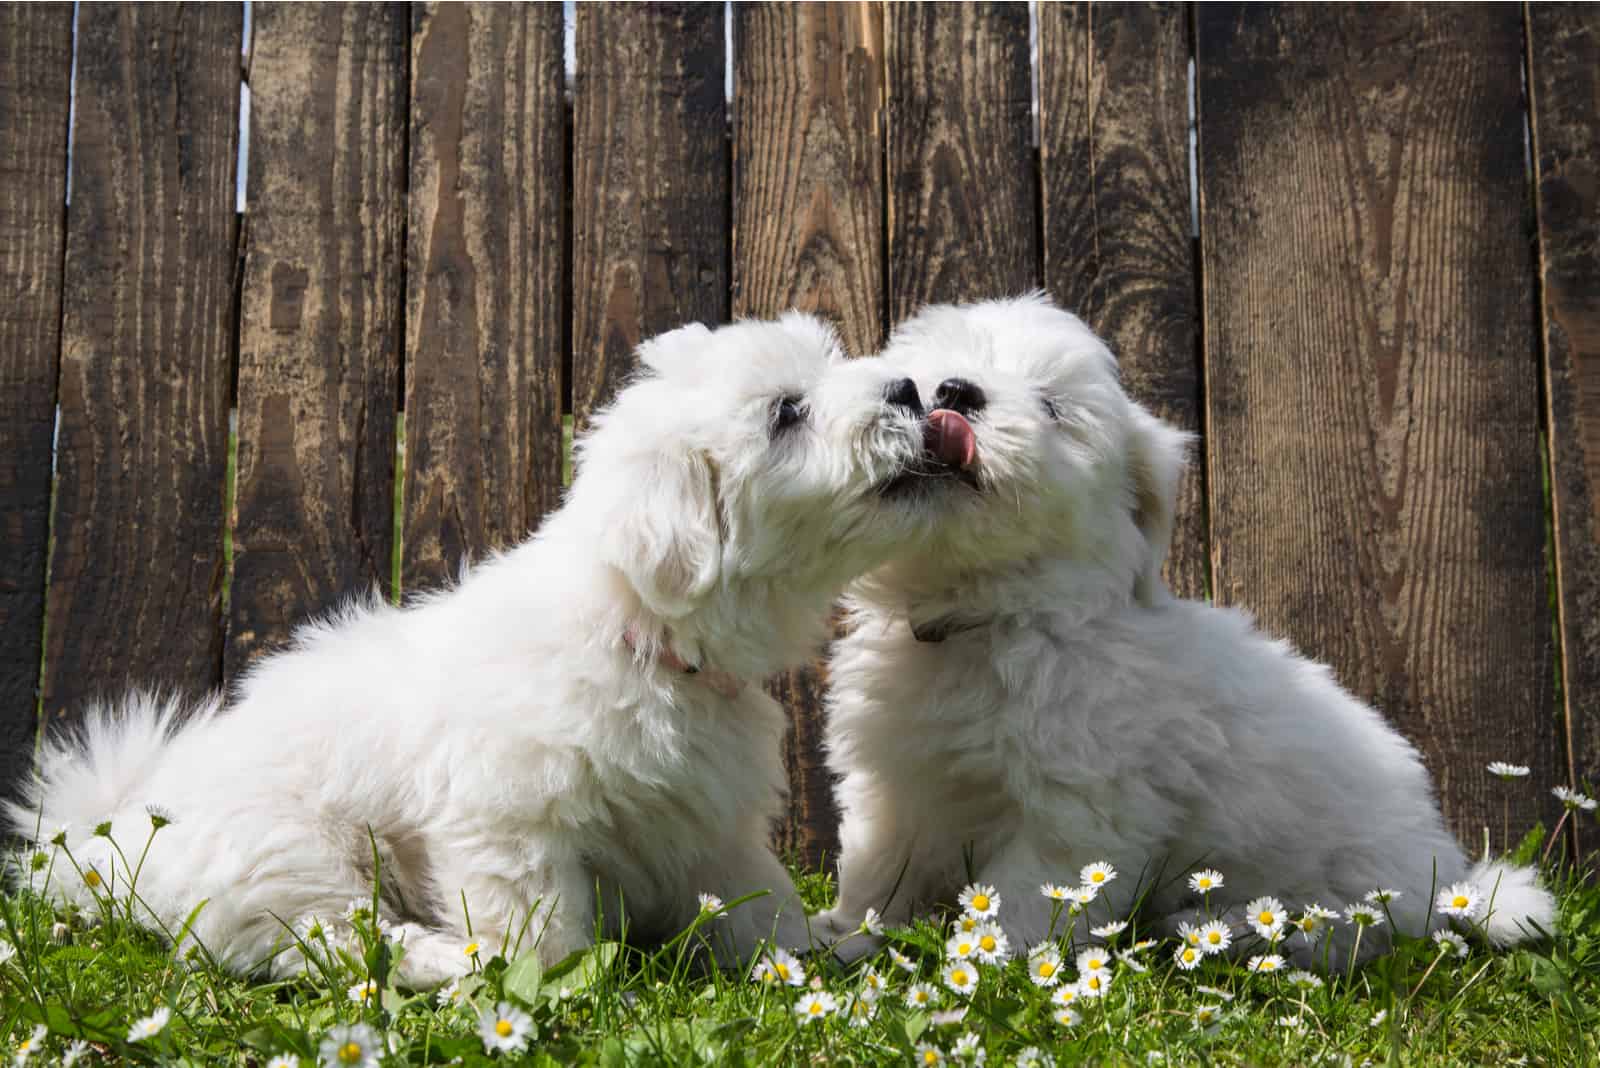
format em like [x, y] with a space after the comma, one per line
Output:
[1114, 152]
[136, 575]
[650, 184]
[484, 282]
[1371, 369]
[963, 185]
[35, 90]
[1564, 62]
[320, 317]
[808, 233]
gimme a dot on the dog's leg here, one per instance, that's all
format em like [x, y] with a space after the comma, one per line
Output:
[777, 917]
[878, 868]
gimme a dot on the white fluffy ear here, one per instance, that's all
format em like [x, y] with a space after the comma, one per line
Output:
[667, 537]
[1156, 456]
[676, 349]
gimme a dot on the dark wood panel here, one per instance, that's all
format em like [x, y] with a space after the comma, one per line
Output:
[650, 184]
[1118, 245]
[1371, 369]
[35, 89]
[963, 185]
[808, 211]
[320, 308]
[1564, 61]
[136, 577]
[484, 282]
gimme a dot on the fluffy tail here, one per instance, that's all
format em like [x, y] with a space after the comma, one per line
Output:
[1519, 908]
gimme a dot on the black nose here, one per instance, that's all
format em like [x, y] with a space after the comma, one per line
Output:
[903, 394]
[959, 395]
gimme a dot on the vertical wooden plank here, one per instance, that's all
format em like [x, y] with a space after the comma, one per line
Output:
[35, 89]
[808, 233]
[650, 183]
[484, 282]
[963, 187]
[1564, 86]
[136, 579]
[320, 333]
[1114, 153]
[1371, 368]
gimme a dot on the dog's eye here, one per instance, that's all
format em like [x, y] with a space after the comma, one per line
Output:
[786, 412]
[1050, 409]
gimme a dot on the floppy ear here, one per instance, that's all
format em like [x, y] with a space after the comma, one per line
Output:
[666, 537]
[1156, 455]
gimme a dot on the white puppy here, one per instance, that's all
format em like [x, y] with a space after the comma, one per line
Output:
[579, 719]
[1024, 687]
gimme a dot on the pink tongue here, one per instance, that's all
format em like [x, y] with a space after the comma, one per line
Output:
[949, 437]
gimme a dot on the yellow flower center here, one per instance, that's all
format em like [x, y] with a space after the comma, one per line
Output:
[964, 948]
[958, 977]
[1268, 965]
[1068, 994]
[1193, 938]
[921, 996]
[1460, 901]
[503, 1028]
[930, 1057]
[1098, 877]
[1188, 955]
[1093, 982]
[1205, 884]
[967, 924]
[1267, 918]
[1046, 969]
[1214, 937]
[471, 949]
[781, 971]
[988, 943]
[350, 1053]
[980, 902]
[1204, 1016]
[91, 877]
[815, 1008]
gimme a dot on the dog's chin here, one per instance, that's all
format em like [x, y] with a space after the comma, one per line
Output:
[929, 480]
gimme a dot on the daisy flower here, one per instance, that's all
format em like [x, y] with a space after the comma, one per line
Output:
[1097, 874]
[1211, 991]
[77, 1049]
[1066, 996]
[284, 1060]
[1189, 933]
[1265, 916]
[1056, 893]
[1131, 960]
[1187, 957]
[450, 995]
[966, 923]
[929, 1055]
[1383, 897]
[1500, 769]
[1094, 984]
[871, 923]
[1066, 1017]
[1144, 944]
[1304, 980]
[921, 996]
[1461, 899]
[778, 965]
[1293, 1023]
[711, 903]
[34, 1043]
[993, 946]
[980, 900]
[961, 946]
[967, 1049]
[1082, 895]
[1109, 930]
[1093, 960]
[150, 1026]
[815, 1006]
[7, 951]
[948, 1017]
[1215, 937]
[1378, 1017]
[362, 993]
[1311, 921]
[1033, 1057]
[1572, 799]
[356, 1045]
[1266, 962]
[961, 976]
[861, 1010]
[1363, 916]
[1206, 1016]
[873, 984]
[901, 961]
[506, 1029]
[1203, 882]
[471, 949]
[311, 928]
[1448, 941]
[1044, 965]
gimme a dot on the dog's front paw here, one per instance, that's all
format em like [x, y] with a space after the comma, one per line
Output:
[844, 935]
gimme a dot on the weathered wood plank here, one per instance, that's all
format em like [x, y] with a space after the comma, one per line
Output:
[1564, 63]
[1370, 362]
[35, 89]
[963, 218]
[320, 316]
[1114, 152]
[136, 577]
[808, 233]
[484, 282]
[650, 184]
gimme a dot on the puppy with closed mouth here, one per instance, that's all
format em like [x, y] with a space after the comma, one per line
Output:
[578, 724]
[1021, 692]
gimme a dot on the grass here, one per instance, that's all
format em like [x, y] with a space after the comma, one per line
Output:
[92, 977]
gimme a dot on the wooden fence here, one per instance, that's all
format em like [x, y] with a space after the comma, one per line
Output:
[1387, 332]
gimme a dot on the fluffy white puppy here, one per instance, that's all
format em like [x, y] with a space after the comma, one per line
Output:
[579, 719]
[1023, 686]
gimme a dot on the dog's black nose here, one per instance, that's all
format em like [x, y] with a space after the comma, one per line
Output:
[959, 395]
[903, 394]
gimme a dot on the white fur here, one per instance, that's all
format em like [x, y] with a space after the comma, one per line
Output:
[1076, 711]
[502, 741]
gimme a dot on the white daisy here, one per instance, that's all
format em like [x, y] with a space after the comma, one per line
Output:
[966, 923]
[815, 1006]
[961, 976]
[1378, 1017]
[1501, 769]
[362, 993]
[1312, 921]
[1130, 959]
[1082, 895]
[1572, 799]
[1066, 1017]
[967, 1049]
[1293, 1023]
[1266, 962]
[1448, 941]
[1207, 1016]
[873, 984]
[1094, 984]
[1109, 930]
[948, 1017]
[150, 1026]
[34, 1043]
[1066, 996]
[777, 965]
[711, 903]
[1189, 933]
[1093, 960]
[450, 995]
[1383, 897]
[1203, 882]
[901, 961]
[472, 949]
[312, 928]
[861, 1010]
[993, 946]
[1363, 915]
[1460, 899]
[921, 996]
[1187, 957]
[1265, 916]
[1033, 1057]
[980, 900]
[1215, 936]
[1304, 980]
[1211, 991]
[961, 946]
[505, 1029]
[1097, 874]
[1144, 944]
[7, 951]
[1054, 892]
[77, 1049]
[928, 1055]
[1044, 965]
[284, 1060]
[871, 923]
